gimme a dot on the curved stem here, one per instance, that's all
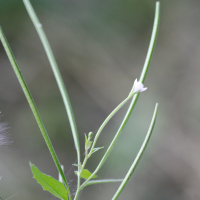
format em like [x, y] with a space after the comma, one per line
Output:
[107, 120]
[98, 133]
[33, 107]
[58, 77]
[139, 155]
[135, 98]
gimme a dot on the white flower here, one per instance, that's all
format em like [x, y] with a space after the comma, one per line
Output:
[138, 87]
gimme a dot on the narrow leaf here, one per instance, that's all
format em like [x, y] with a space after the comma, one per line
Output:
[85, 138]
[103, 181]
[76, 165]
[86, 174]
[96, 149]
[49, 183]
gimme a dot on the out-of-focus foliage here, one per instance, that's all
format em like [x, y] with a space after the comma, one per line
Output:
[100, 47]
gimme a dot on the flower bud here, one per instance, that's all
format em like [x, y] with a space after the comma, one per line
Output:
[90, 135]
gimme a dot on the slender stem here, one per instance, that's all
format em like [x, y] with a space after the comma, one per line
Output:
[58, 78]
[98, 133]
[33, 106]
[79, 174]
[139, 155]
[107, 120]
[152, 42]
[135, 98]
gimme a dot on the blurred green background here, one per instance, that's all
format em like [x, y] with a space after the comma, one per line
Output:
[100, 47]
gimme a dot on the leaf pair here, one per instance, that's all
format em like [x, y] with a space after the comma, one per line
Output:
[56, 188]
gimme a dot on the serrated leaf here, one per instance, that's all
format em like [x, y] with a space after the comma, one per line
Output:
[103, 181]
[96, 149]
[86, 174]
[50, 184]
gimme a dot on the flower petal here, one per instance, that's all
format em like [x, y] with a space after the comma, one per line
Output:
[138, 87]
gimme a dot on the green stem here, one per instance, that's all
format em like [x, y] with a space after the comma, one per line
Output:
[58, 77]
[33, 106]
[135, 98]
[152, 43]
[139, 155]
[107, 120]
[98, 133]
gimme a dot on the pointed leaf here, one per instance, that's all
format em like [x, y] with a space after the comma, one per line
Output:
[76, 165]
[86, 174]
[85, 138]
[96, 149]
[103, 181]
[49, 183]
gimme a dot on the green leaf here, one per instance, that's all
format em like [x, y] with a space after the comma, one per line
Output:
[32, 106]
[86, 174]
[96, 149]
[50, 184]
[76, 165]
[103, 181]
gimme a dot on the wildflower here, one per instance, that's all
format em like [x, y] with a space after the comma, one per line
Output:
[138, 87]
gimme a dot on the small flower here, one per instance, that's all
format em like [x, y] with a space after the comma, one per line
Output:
[138, 87]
